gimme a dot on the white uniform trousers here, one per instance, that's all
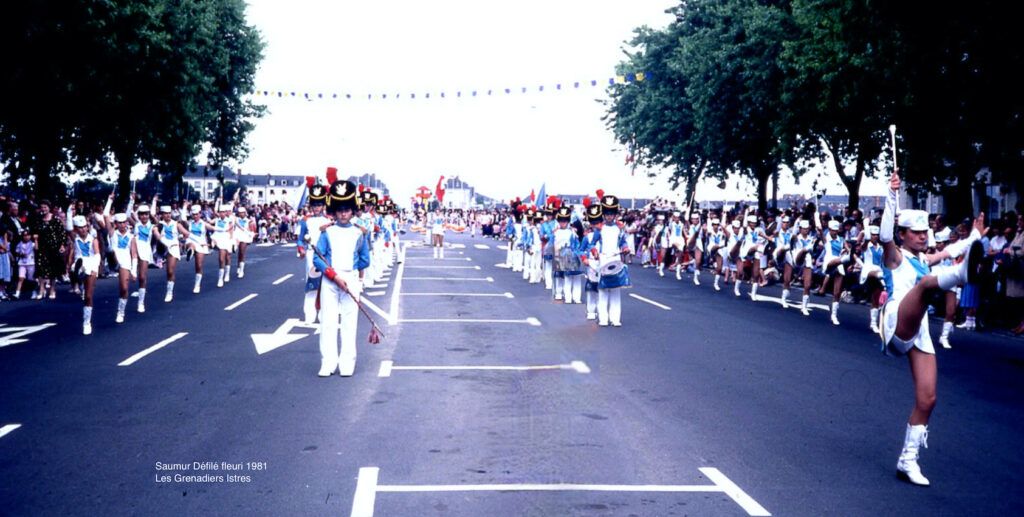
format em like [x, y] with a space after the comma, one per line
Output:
[338, 308]
[559, 289]
[572, 288]
[309, 300]
[609, 306]
[591, 305]
[548, 274]
[517, 260]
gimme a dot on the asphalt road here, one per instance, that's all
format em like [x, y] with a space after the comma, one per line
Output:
[715, 406]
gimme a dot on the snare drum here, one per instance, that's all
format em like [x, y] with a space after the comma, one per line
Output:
[614, 274]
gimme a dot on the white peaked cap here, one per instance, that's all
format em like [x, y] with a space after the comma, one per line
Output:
[914, 220]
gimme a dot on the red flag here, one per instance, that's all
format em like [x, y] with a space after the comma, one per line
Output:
[439, 190]
[532, 196]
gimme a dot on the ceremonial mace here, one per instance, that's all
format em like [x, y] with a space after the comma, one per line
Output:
[375, 332]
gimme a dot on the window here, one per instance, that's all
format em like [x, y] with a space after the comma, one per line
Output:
[271, 183]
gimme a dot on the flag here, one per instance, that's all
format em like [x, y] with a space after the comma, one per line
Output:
[303, 197]
[541, 197]
[439, 190]
[529, 199]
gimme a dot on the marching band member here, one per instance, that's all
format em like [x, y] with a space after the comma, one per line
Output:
[170, 231]
[695, 244]
[223, 238]
[783, 243]
[659, 242]
[196, 242]
[871, 272]
[518, 237]
[734, 231]
[546, 230]
[245, 229]
[595, 219]
[717, 248]
[346, 255]
[122, 243]
[534, 267]
[677, 241]
[800, 260]
[568, 281]
[437, 223]
[751, 252]
[942, 239]
[312, 225]
[610, 243]
[904, 318]
[836, 256]
[144, 229]
[87, 253]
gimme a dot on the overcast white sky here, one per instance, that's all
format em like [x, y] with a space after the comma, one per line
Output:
[504, 145]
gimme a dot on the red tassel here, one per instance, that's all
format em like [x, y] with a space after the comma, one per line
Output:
[374, 337]
[332, 175]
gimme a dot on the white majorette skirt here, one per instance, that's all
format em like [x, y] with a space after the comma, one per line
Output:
[893, 345]
[223, 241]
[173, 247]
[200, 245]
[145, 250]
[91, 265]
[124, 258]
[243, 236]
[437, 229]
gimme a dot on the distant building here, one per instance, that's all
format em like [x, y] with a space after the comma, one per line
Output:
[462, 195]
[371, 180]
[205, 182]
[268, 188]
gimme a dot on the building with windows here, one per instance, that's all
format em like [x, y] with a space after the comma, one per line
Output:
[204, 180]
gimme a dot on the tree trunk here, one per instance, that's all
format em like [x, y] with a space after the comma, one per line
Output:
[125, 160]
[762, 191]
[959, 199]
[775, 190]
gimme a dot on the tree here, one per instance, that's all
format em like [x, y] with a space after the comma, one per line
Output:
[839, 89]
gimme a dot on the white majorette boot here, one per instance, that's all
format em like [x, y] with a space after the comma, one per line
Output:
[907, 467]
[199, 281]
[142, 300]
[753, 291]
[717, 278]
[874, 321]
[241, 270]
[736, 289]
[227, 274]
[696, 276]
[835, 310]
[947, 328]
[661, 269]
[679, 272]
[170, 293]
[122, 304]
[785, 298]
[86, 320]
[220, 277]
[803, 306]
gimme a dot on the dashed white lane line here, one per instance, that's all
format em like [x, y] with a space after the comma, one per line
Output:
[373, 307]
[283, 279]
[240, 302]
[7, 429]
[452, 278]
[374, 293]
[652, 302]
[528, 321]
[791, 303]
[289, 245]
[396, 293]
[367, 488]
[131, 360]
[386, 367]
[497, 295]
[481, 246]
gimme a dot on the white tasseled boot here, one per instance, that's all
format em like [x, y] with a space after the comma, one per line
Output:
[122, 304]
[696, 276]
[907, 467]
[661, 269]
[736, 289]
[199, 281]
[679, 272]
[803, 306]
[170, 293]
[717, 278]
[142, 299]
[241, 270]
[86, 320]
[835, 311]
[220, 277]
[227, 274]
[785, 298]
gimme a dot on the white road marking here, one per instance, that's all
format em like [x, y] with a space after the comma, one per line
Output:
[131, 360]
[367, 488]
[528, 321]
[444, 267]
[282, 336]
[452, 279]
[481, 246]
[502, 295]
[396, 293]
[5, 430]
[457, 246]
[289, 245]
[652, 302]
[428, 259]
[793, 304]
[265, 245]
[283, 279]
[240, 302]
[370, 305]
[374, 293]
[386, 367]
[16, 335]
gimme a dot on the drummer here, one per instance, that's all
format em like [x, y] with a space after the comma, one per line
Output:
[610, 244]
[567, 272]
[595, 220]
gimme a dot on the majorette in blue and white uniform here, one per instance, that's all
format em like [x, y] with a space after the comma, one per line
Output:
[310, 228]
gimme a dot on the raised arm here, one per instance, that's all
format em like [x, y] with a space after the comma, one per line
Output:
[891, 256]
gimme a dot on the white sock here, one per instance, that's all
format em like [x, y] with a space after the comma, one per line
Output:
[122, 303]
[220, 273]
[753, 290]
[785, 294]
[835, 308]
[803, 303]
[874, 317]
[170, 287]
[142, 295]
[241, 267]
[947, 327]
[86, 314]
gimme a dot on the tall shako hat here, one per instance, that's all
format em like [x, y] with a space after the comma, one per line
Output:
[595, 214]
[564, 213]
[368, 199]
[383, 205]
[609, 203]
[342, 195]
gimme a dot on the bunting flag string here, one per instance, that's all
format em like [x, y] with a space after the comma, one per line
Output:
[456, 94]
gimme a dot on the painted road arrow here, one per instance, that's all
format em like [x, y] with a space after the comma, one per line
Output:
[14, 335]
[282, 336]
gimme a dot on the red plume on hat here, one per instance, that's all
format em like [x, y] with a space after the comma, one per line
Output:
[310, 181]
[600, 193]
[521, 208]
[361, 188]
[554, 202]
[586, 202]
[332, 175]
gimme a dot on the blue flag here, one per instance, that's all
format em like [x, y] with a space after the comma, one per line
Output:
[542, 198]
